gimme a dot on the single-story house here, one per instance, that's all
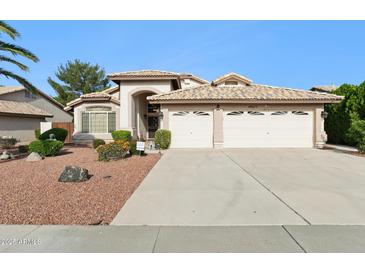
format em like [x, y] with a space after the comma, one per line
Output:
[22, 111]
[229, 112]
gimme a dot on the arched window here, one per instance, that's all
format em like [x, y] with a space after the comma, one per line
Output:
[98, 119]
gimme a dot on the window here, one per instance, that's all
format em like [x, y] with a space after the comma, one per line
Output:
[235, 113]
[181, 113]
[279, 113]
[298, 112]
[201, 113]
[255, 113]
[98, 119]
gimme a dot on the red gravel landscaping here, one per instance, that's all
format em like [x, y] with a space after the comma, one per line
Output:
[31, 194]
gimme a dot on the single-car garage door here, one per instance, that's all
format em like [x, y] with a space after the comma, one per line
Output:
[282, 128]
[191, 129]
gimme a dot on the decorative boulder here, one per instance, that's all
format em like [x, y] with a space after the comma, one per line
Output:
[74, 174]
[34, 157]
[5, 156]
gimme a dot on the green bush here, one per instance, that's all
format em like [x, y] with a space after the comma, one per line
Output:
[163, 138]
[133, 147]
[98, 142]
[123, 135]
[46, 147]
[37, 133]
[60, 134]
[341, 116]
[356, 134]
[114, 150]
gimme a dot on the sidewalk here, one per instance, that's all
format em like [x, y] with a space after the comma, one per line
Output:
[147, 239]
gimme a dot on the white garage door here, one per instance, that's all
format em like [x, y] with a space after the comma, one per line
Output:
[291, 128]
[191, 129]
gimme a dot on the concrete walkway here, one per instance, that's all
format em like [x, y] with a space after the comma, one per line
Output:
[250, 187]
[146, 239]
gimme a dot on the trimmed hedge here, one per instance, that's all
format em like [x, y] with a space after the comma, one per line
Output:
[37, 133]
[123, 135]
[45, 147]
[97, 143]
[59, 133]
[357, 134]
[114, 150]
[163, 138]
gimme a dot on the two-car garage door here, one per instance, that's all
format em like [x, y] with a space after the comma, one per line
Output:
[242, 128]
[283, 128]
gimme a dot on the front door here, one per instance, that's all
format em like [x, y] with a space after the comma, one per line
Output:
[152, 120]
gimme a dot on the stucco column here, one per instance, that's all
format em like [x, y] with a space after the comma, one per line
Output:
[218, 128]
[165, 120]
[125, 111]
[319, 133]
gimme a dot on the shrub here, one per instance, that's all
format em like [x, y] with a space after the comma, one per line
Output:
[23, 149]
[163, 138]
[114, 150]
[123, 135]
[356, 134]
[7, 141]
[133, 147]
[46, 147]
[37, 133]
[98, 142]
[60, 134]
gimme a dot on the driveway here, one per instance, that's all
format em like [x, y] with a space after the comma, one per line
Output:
[250, 187]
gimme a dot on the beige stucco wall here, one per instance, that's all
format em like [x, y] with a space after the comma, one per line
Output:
[78, 136]
[130, 88]
[188, 83]
[21, 128]
[59, 115]
[319, 135]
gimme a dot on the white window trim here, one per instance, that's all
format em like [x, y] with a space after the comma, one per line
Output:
[107, 120]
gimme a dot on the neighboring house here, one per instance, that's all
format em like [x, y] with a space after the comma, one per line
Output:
[231, 111]
[22, 111]
[327, 89]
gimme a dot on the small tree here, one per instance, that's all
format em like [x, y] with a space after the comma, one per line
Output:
[78, 78]
[356, 134]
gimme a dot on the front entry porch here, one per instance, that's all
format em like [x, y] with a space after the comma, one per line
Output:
[145, 116]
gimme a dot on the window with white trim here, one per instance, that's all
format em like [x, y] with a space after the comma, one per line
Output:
[98, 119]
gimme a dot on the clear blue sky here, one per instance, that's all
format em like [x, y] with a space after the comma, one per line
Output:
[296, 54]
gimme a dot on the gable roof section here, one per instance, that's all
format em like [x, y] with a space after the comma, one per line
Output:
[193, 77]
[21, 109]
[143, 74]
[232, 76]
[11, 89]
[238, 94]
[326, 88]
[102, 96]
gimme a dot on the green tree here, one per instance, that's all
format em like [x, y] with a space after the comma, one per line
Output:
[342, 115]
[14, 50]
[78, 78]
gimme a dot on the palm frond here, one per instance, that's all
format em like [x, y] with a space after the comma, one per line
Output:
[19, 79]
[15, 62]
[5, 28]
[17, 50]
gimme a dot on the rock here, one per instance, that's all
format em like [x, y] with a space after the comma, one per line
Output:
[5, 156]
[74, 174]
[34, 157]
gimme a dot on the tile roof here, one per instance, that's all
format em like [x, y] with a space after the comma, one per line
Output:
[104, 95]
[234, 76]
[10, 89]
[243, 93]
[21, 108]
[326, 88]
[144, 74]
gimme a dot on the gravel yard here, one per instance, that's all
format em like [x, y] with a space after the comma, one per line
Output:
[31, 194]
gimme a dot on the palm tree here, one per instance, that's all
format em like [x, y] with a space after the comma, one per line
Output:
[14, 50]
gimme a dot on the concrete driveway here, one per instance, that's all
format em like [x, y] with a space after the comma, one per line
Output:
[250, 187]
